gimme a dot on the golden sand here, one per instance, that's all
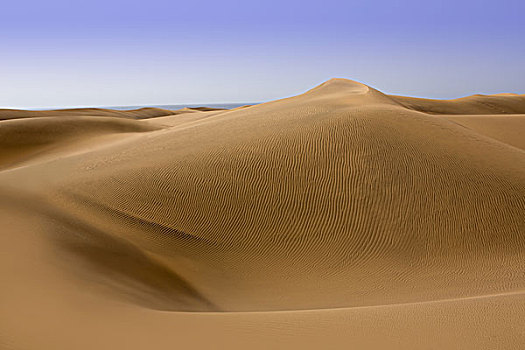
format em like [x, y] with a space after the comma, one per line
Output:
[340, 217]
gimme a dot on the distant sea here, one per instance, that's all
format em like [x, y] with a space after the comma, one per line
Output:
[174, 107]
[170, 107]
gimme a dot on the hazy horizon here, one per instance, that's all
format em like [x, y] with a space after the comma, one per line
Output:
[116, 53]
[163, 106]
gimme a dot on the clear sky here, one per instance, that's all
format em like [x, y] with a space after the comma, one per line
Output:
[57, 53]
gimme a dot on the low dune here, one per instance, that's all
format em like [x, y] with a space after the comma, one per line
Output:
[22, 140]
[470, 105]
[336, 218]
[141, 113]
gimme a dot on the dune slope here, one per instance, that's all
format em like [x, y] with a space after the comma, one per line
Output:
[23, 140]
[363, 210]
[141, 113]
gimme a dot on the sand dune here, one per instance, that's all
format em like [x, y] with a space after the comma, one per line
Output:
[340, 216]
[505, 128]
[476, 104]
[142, 113]
[22, 140]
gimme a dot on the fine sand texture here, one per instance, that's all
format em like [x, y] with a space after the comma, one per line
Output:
[339, 218]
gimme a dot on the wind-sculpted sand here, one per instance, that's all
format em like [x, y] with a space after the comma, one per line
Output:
[339, 218]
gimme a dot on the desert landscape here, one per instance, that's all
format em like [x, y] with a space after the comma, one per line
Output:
[343, 217]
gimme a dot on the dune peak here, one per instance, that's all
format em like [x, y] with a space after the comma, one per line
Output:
[342, 84]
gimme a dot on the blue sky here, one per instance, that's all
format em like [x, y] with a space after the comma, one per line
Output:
[104, 53]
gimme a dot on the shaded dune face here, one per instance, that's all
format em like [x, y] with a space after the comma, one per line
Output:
[22, 140]
[339, 197]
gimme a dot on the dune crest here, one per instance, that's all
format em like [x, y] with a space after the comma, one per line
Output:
[356, 207]
[341, 85]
